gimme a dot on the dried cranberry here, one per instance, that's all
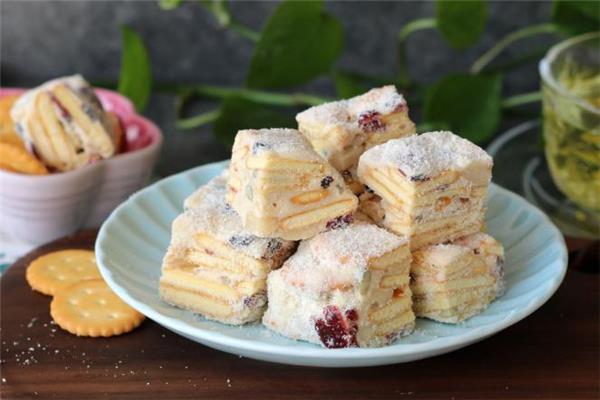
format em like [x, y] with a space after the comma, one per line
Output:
[325, 182]
[369, 121]
[352, 315]
[340, 222]
[335, 330]
[63, 111]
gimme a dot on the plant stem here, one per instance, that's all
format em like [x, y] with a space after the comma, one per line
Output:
[520, 99]
[198, 120]
[509, 39]
[244, 31]
[259, 96]
[218, 92]
[405, 32]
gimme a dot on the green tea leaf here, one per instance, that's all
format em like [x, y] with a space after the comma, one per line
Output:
[469, 105]
[169, 4]
[238, 113]
[135, 80]
[461, 22]
[299, 42]
[576, 17]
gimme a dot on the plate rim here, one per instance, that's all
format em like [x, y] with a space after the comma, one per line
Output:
[306, 353]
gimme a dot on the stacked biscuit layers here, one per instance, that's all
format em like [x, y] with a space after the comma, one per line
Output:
[432, 186]
[452, 282]
[64, 122]
[349, 282]
[345, 287]
[341, 131]
[282, 188]
[213, 266]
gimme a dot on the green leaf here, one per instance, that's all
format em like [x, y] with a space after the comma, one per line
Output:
[348, 85]
[299, 42]
[469, 105]
[219, 9]
[135, 80]
[238, 113]
[576, 17]
[461, 22]
[169, 4]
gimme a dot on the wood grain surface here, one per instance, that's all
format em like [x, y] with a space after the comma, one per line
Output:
[553, 354]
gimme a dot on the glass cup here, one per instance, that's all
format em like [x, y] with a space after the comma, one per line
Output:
[571, 113]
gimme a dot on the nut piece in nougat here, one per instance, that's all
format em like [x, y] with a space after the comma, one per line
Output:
[341, 131]
[282, 188]
[347, 287]
[65, 123]
[455, 281]
[432, 187]
[213, 266]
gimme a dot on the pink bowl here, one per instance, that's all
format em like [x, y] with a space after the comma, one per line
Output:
[38, 209]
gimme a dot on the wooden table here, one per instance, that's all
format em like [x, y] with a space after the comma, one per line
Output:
[552, 354]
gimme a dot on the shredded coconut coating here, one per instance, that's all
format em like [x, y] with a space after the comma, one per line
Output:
[206, 210]
[428, 154]
[283, 142]
[338, 258]
[439, 256]
[384, 100]
[76, 82]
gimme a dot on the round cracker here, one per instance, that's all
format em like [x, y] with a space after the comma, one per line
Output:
[8, 134]
[17, 159]
[90, 308]
[51, 272]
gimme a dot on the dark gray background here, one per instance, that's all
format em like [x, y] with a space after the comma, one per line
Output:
[42, 40]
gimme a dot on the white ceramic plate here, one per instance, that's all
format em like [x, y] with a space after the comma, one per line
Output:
[131, 244]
